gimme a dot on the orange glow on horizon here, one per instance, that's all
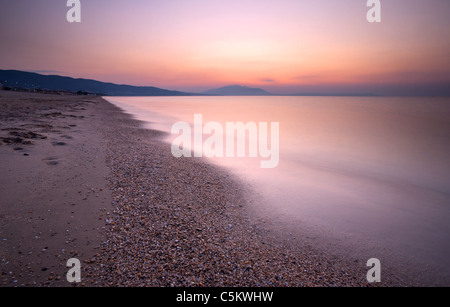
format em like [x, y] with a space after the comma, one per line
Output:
[200, 44]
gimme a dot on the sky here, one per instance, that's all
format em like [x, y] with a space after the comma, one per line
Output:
[282, 46]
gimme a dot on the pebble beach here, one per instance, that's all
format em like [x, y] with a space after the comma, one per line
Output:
[143, 217]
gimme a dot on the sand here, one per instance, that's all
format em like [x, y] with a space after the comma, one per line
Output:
[52, 186]
[81, 179]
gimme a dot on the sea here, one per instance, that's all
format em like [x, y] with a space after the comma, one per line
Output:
[369, 176]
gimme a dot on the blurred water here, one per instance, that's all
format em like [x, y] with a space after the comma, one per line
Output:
[374, 169]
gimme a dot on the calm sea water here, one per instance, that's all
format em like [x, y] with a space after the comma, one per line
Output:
[375, 170]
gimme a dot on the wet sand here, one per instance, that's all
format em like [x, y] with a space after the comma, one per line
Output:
[82, 179]
[53, 186]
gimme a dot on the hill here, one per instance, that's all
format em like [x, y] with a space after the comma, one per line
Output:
[237, 90]
[28, 80]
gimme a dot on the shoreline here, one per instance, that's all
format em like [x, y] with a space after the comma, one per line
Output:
[204, 233]
[162, 221]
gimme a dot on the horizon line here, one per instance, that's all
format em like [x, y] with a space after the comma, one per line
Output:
[203, 93]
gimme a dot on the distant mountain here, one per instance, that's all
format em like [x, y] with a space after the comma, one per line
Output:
[237, 90]
[27, 80]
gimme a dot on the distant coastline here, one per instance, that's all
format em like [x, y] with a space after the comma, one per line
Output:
[27, 81]
[23, 81]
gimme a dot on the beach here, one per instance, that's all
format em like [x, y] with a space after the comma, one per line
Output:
[53, 186]
[82, 179]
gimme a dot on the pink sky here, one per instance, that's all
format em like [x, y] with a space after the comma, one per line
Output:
[193, 45]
